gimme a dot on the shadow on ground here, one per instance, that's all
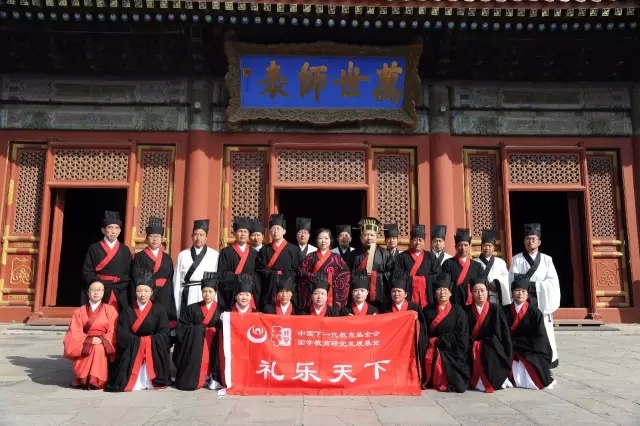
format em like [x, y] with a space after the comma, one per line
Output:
[50, 371]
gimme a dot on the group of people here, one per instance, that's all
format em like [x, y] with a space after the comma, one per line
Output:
[481, 325]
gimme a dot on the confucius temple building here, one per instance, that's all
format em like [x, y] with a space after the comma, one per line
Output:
[475, 114]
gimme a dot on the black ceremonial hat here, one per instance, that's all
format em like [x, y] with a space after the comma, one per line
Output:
[319, 280]
[400, 280]
[303, 224]
[360, 279]
[474, 281]
[201, 224]
[277, 219]
[438, 231]
[391, 230]
[145, 277]
[369, 224]
[154, 226]
[533, 229]
[462, 235]
[520, 281]
[343, 228]
[418, 231]
[489, 236]
[257, 226]
[245, 283]
[240, 222]
[442, 280]
[111, 218]
[285, 284]
[211, 280]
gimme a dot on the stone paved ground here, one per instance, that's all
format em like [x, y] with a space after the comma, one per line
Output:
[599, 384]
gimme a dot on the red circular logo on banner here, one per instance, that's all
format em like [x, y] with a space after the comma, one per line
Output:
[256, 334]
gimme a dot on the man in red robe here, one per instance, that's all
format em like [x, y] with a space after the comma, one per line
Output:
[109, 261]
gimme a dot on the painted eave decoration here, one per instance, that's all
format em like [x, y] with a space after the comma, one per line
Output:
[322, 83]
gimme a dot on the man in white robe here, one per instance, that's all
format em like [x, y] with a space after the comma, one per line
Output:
[192, 264]
[495, 269]
[344, 239]
[303, 233]
[538, 269]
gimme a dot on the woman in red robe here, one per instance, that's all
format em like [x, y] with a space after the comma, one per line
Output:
[331, 264]
[90, 340]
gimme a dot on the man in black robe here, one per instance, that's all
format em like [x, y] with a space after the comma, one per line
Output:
[491, 349]
[532, 354]
[237, 259]
[142, 343]
[256, 234]
[283, 304]
[197, 350]
[437, 253]
[303, 233]
[445, 363]
[358, 301]
[462, 269]
[391, 239]
[343, 235]
[275, 259]
[373, 259]
[109, 261]
[154, 259]
[417, 263]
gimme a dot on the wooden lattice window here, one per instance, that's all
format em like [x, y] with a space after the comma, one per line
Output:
[248, 171]
[29, 191]
[155, 189]
[602, 197]
[393, 190]
[483, 189]
[90, 164]
[544, 169]
[321, 166]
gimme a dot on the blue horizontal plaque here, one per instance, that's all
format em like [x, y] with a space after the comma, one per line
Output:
[321, 82]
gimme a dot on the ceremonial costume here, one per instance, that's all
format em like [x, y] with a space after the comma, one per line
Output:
[532, 354]
[320, 281]
[274, 260]
[495, 271]
[142, 346]
[110, 263]
[419, 267]
[359, 280]
[235, 260]
[304, 224]
[343, 251]
[445, 362]
[336, 269]
[390, 231]
[192, 263]
[244, 284]
[491, 349]
[161, 265]
[197, 351]
[437, 258]
[90, 361]
[462, 271]
[277, 308]
[402, 281]
[256, 227]
[544, 291]
[376, 261]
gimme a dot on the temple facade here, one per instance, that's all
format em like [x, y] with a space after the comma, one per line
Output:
[141, 110]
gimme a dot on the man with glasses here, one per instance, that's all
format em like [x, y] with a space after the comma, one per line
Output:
[544, 287]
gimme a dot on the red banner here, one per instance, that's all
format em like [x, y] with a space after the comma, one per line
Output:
[309, 355]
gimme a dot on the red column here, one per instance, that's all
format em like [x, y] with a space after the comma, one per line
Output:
[196, 204]
[442, 204]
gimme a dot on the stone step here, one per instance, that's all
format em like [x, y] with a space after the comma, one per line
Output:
[578, 323]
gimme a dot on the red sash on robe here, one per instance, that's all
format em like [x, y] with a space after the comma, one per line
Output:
[157, 262]
[111, 252]
[244, 255]
[465, 270]
[321, 261]
[478, 368]
[92, 316]
[373, 281]
[418, 284]
[209, 334]
[277, 251]
[234, 308]
[145, 352]
[517, 318]
[405, 307]
[358, 312]
[440, 381]
[280, 312]
[323, 312]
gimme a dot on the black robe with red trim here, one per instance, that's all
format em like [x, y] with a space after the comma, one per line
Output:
[330, 312]
[383, 265]
[404, 262]
[451, 266]
[163, 291]
[271, 310]
[285, 266]
[450, 343]
[493, 351]
[191, 338]
[119, 266]
[349, 310]
[155, 325]
[421, 328]
[530, 341]
[228, 262]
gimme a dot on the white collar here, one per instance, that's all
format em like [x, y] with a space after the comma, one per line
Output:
[344, 248]
[437, 253]
[318, 310]
[534, 254]
[154, 251]
[400, 305]
[518, 306]
[240, 309]
[209, 305]
[464, 259]
[280, 243]
[488, 257]
[302, 247]
[242, 247]
[478, 307]
[141, 306]
[418, 253]
[360, 305]
[257, 248]
[284, 307]
[323, 252]
[94, 306]
[198, 249]
[109, 243]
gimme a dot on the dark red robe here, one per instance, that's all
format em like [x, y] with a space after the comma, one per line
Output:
[339, 276]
